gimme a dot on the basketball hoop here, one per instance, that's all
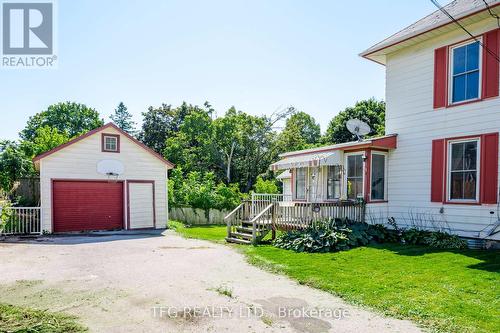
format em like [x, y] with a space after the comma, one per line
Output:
[112, 177]
[112, 169]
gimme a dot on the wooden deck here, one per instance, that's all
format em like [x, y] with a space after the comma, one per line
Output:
[252, 220]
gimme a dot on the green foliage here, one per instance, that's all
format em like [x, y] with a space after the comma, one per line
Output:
[266, 186]
[69, 118]
[14, 164]
[327, 236]
[370, 111]
[199, 190]
[45, 139]
[338, 235]
[437, 239]
[19, 319]
[123, 119]
[162, 123]
[301, 132]
[5, 215]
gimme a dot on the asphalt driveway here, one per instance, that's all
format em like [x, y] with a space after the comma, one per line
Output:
[165, 283]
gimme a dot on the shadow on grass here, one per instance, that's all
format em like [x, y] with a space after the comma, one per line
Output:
[490, 259]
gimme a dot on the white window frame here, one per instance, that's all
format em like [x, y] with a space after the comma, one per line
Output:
[306, 176]
[386, 156]
[363, 159]
[448, 169]
[105, 138]
[450, 71]
[325, 183]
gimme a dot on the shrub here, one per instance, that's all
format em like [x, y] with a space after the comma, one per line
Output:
[437, 239]
[266, 186]
[330, 236]
[199, 190]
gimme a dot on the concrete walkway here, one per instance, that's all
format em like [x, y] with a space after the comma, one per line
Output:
[165, 283]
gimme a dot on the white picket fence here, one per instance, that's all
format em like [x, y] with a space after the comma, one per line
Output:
[22, 221]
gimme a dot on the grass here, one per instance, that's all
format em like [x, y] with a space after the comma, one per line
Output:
[224, 291]
[447, 291]
[215, 233]
[19, 319]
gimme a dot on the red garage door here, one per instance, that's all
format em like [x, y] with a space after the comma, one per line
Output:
[87, 205]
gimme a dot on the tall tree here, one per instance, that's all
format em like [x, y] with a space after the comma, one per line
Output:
[370, 111]
[14, 164]
[163, 122]
[70, 118]
[123, 119]
[301, 131]
[45, 139]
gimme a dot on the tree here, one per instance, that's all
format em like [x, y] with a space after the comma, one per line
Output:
[192, 146]
[45, 139]
[370, 111]
[301, 131]
[70, 118]
[123, 119]
[14, 164]
[163, 122]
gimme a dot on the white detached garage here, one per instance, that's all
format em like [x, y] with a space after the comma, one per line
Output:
[102, 180]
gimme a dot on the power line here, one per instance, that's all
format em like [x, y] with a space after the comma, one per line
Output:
[445, 12]
[494, 15]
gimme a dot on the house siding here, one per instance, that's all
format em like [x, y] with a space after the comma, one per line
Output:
[410, 113]
[79, 161]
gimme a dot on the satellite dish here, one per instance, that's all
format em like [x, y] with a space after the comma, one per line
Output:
[358, 128]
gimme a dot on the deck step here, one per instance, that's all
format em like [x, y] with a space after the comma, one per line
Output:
[238, 241]
[241, 235]
[246, 230]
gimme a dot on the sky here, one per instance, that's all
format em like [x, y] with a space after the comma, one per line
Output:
[259, 56]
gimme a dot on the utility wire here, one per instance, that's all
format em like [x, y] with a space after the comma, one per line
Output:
[494, 15]
[445, 12]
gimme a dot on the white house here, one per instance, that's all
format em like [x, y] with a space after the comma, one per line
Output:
[438, 167]
[102, 180]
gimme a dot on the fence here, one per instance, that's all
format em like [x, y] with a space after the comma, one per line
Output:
[21, 221]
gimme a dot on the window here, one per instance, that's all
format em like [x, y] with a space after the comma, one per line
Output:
[354, 176]
[378, 178]
[333, 182]
[111, 143]
[465, 72]
[300, 183]
[463, 169]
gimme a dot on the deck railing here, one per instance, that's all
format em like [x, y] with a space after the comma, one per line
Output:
[303, 214]
[261, 200]
[21, 221]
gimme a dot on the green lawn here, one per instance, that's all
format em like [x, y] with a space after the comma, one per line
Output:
[449, 291]
[18, 319]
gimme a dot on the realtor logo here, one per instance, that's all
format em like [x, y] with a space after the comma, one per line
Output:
[28, 34]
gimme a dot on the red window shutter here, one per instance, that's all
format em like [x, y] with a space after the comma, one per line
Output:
[489, 168]
[440, 77]
[437, 170]
[490, 64]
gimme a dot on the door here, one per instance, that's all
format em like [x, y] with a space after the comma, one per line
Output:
[87, 205]
[141, 210]
[314, 184]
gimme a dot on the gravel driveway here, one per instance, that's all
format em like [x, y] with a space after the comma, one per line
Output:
[165, 283]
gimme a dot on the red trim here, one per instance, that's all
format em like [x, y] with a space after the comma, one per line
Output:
[488, 182]
[424, 32]
[152, 182]
[81, 137]
[490, 65]
[388, 142]
[103, 143]
[489, 169]
[52, 180]
[438, 170]
[440, 77]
